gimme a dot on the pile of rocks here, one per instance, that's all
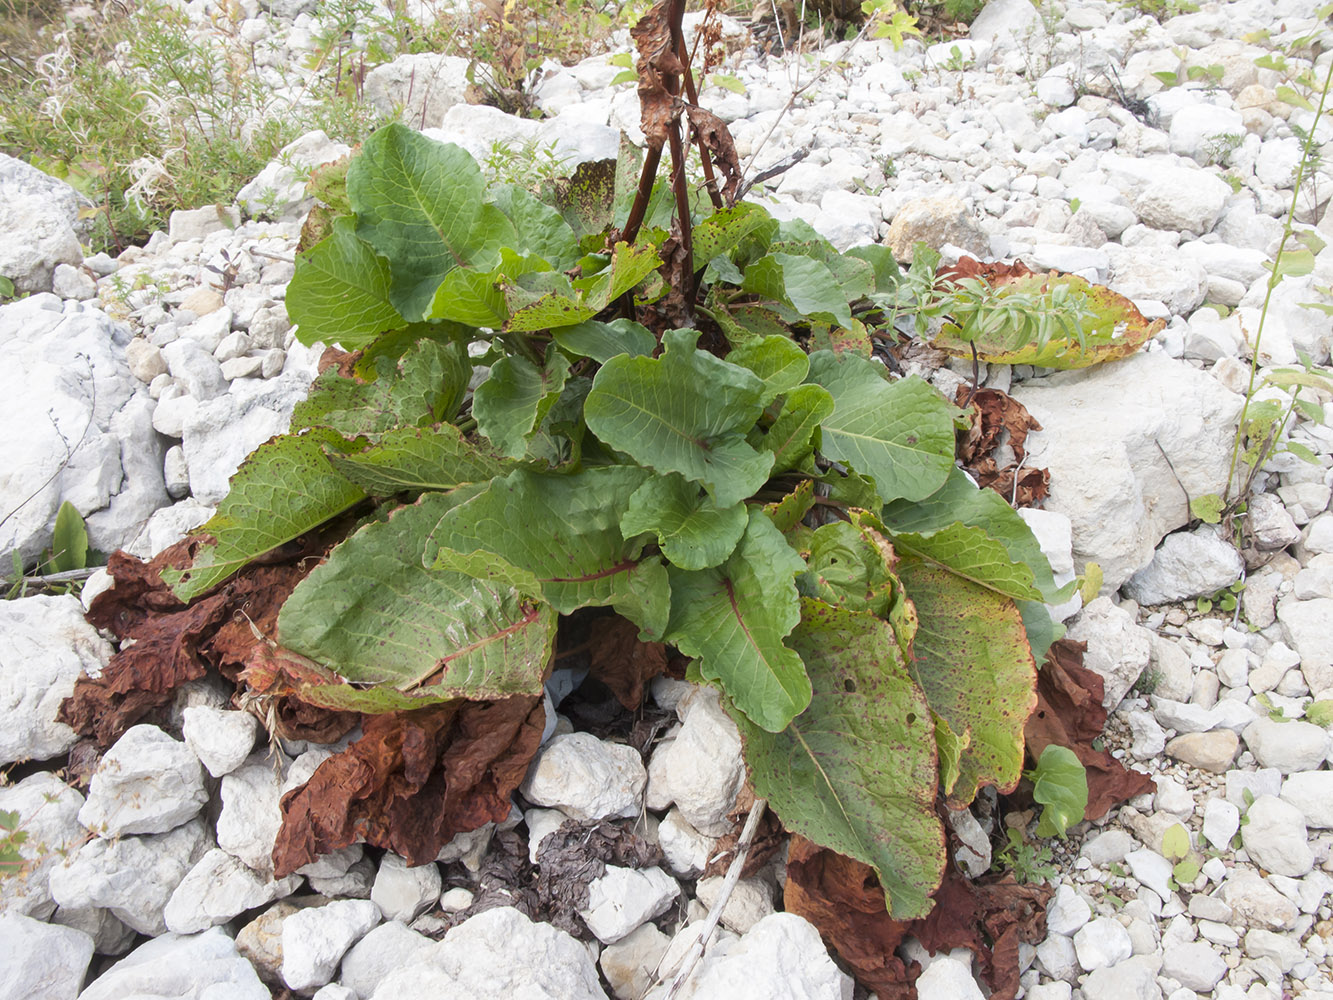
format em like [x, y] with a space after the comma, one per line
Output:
[145, 380]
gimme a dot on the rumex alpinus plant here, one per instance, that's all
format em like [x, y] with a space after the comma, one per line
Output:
[623, 393]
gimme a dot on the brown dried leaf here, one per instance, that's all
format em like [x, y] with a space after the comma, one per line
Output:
[995, 273]
[997, 420]
[712, 131]
[618, 659]
[1070, 714]
[413, 781]
[659, 70]
[844, 900]
[768, 839]
[343, 361]
[569, 859]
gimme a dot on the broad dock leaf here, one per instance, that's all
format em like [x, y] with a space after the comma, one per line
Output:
[511, 404]
[340, 291]
[900, 434]
[420, 203]
[603, 341]
[685, 412]
[856, 771]
[418, 459]
[779, 361]
[734, 619]
[791, 438]
[693, 531]
[284, 489]
[373, 614]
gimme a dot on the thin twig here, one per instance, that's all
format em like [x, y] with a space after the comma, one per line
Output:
[68, 576]
[696, 951]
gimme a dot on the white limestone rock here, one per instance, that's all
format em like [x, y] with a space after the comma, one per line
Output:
[278, 191]
[131, 877]
[750, 901]
[203, 965]
[251, 815]
[586, 778]
[47, 645]
[1186, 564]
[1151, 870]
[781, 958]
[1196, 965]
[146, 783]
[534, 961]
[1276, 837]
[701, 770]
[315, 939]
[1305, 625]
[402, 892]
[216, 889]
[48, 811]
[39, 221]
[685, 849]
[1067, 912]
[391, 945]
[220, 739]
[1118, 649]
[1102, 943]
[1312, 793]
[40, 961]
[420, 87]
[1108, 475]
[1287, 746]
[947, 978]
[629, 963]
[1221, 820]
[624, 898]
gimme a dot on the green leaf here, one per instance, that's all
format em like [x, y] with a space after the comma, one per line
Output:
[949, 746]
[1301, 452]
[803, 283]
[1286, 377]
[848, 569]
[818, 776]
[539, 229]
[9, 819]
[1091, 582]
[1186, 871]
[685, 412]
[1041, 629]
[693, 531]
[779, 361]
[791, 438]
[724, 230]
[563, 531]
[1289, 96]
[340, 291]
[516, 398]
[476, 297]
[69, 544]
[427, 387]
[786, 513]
[1207, 508]
[1320, 713]
[734, 619]
[374, 614]
[1292, 264]
[900, 434]
[973, 661]
[1175, 842]
[727, 82]
[417, 459]
[556, 301]
[603, 341]
[420, 204]
[929, 530]
[1059, 783]
[6, 288]
[885, 272]
[284, 489]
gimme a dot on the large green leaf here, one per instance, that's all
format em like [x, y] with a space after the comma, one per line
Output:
[426, 387]
[603, 341]
[556, 301]
[539, 229]
[734, 619]
[562, 533]
[685, 412]
[850, 566]
[420, 204]
[779, 361]
[284, 489]
[900, 434]
[856, 771]
[724, 230]
[374, 614]
[973, 661]
[693, 531]
[1060, 783]
[805, 284]
[340, 291]
[417, 459]
[925, 526]
[791, 438]
[512, 403]
[476, 297]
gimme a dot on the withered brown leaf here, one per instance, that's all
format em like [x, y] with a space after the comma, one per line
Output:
[413, 781]
[622, 662]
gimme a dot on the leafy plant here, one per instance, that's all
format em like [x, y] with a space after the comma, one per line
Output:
[1029, 862]
[623, 394]
[12, 837]
[1060, 784]
[1176, 849]
[1224, 599]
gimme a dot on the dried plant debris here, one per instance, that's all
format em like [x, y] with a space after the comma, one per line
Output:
[841, 897]
[574, 856]
[993, 448]
[174, 643]
[413, 781]
[1070, 714]
[621, 661]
